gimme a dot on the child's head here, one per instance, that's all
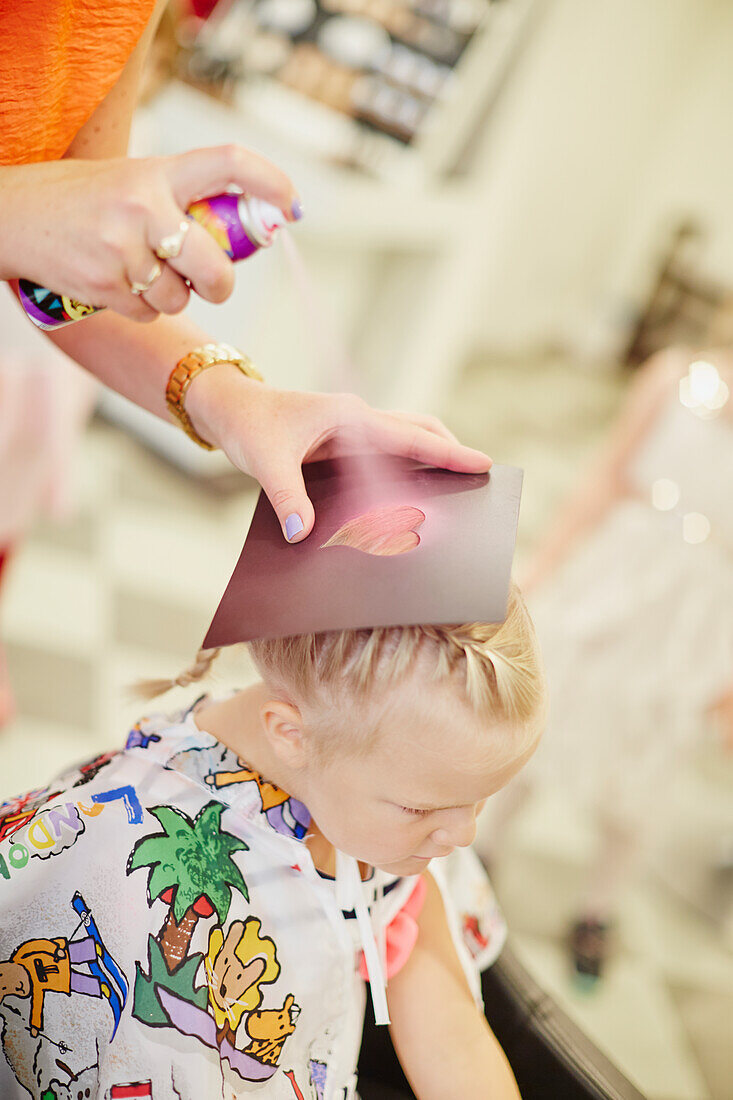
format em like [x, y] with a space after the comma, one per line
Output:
[396, 736]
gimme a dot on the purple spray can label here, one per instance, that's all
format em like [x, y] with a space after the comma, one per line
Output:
[240, 226]
[48, 310]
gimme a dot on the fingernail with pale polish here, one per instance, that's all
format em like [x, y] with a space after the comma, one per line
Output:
[296, 210]
[293, 526]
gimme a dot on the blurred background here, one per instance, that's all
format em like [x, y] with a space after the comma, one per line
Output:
[510, 205]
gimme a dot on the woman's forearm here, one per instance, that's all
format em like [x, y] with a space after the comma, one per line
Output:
[264, 431]
[136, 361]
[133, 359]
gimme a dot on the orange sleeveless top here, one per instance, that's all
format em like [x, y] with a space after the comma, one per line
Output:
[58, 60]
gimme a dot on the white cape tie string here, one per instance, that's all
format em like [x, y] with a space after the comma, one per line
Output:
[350, 895]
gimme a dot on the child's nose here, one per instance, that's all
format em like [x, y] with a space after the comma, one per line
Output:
[458, 832]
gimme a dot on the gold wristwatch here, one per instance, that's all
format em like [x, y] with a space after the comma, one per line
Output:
[184, 372]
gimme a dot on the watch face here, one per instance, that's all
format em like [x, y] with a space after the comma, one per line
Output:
[225, 353]
[188, 368]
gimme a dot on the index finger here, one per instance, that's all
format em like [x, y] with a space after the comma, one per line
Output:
[204, 172]
[430, 423]
[409, 440]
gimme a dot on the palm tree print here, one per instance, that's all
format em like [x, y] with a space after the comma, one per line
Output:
[191, 869]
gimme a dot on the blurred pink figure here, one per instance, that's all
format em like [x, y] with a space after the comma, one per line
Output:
[631, 592]
[44, 403]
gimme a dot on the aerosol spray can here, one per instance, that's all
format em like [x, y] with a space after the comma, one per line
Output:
[239, 224]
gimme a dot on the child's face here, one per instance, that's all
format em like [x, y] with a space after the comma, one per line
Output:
[417, 794]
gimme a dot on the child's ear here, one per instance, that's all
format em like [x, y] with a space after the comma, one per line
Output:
[283, 725]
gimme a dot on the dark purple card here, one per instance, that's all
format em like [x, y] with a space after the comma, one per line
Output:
[406, 544]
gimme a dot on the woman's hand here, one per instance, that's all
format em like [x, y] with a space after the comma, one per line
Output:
[270, 433]
[89, 228]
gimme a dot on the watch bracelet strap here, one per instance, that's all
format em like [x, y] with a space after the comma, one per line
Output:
[191, 365]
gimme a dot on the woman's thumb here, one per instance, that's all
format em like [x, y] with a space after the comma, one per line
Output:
[285, 489]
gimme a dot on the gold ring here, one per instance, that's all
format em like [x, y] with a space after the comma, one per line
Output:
[140, 288]
[170, 246]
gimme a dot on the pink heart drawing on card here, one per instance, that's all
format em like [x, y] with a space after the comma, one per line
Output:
[382, 531]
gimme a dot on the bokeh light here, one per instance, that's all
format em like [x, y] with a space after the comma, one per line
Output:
[695, 527]
[665, 494]
[703, 390]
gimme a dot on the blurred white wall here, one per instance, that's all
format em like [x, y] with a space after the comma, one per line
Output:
[697, 168]
[612, 125]
[616, 120]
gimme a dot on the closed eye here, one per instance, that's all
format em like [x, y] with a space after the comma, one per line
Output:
[411, 810]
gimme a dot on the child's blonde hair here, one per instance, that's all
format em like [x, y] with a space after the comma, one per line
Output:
[498, 666]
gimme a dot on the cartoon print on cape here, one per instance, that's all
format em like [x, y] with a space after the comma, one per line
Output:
[236, 967]
[92, 768]
[78, 964]
[82, 1084]
[317, 1076]
[131, 1090]
[475, 939]
[137, 738]
[191, 868]
[320, 1054]
[287, 815]
[17, 812]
